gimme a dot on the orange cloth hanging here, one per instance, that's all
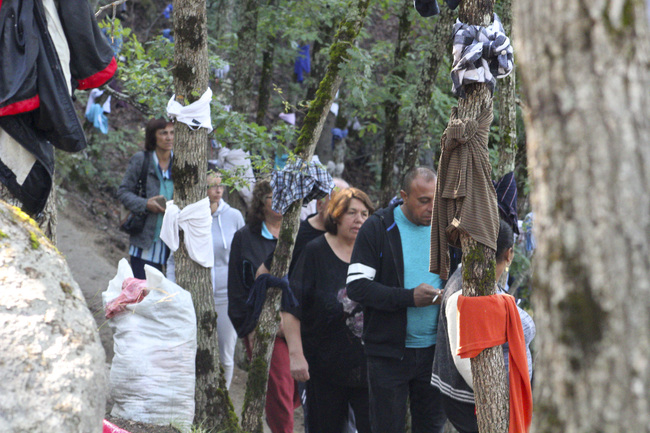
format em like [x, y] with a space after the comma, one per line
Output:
[488, 321]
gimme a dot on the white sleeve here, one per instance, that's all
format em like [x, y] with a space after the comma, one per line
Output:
[463, 365]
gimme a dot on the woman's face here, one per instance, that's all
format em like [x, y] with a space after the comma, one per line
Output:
[215, 190]
[165, 138]
[351, 221]
[268, 202]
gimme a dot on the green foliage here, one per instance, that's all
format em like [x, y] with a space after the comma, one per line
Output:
[89, 169]
[144, 69]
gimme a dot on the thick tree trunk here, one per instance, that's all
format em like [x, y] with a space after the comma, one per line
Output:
[244, 65]
[417, 121]
[585, 77]
[488, 370]
[309, 134]
[507, 106]
[213, 406]
[393, 104]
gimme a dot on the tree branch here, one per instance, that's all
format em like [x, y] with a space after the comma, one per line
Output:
[143, 108]
[114, 4]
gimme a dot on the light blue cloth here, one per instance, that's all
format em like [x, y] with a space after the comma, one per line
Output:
[266, 233]
[96, 115]
[422, 322]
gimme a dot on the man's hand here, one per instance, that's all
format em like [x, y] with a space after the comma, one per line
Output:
[153, 204]
[299, 367]
[424, 295]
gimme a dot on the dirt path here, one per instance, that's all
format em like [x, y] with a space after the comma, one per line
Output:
[92, 254]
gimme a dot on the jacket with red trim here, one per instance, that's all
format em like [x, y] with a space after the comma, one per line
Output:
[36, 107]
[31, 74]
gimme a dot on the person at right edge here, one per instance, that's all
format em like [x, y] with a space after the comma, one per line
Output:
[453, 374]
[389, 276]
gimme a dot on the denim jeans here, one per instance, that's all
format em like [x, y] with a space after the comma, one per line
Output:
[391, 381]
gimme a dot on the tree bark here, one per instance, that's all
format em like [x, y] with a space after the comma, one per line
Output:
[507, 106]
[244, 65]
[585, 78]
[488, 369]
[309, 134]
[319, 58]
[264, 93]
[393, 104]
[213, 406]
[222, 16]
[417, 121]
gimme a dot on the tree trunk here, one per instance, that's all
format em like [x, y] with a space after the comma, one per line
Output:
[393, 104]
[319, 58]
[309, 134]
[264, 93]
[221, 12]
[507, 106]
[585, 78]
[488, 369]
[417, 121]
[213, 406]
[244, 65]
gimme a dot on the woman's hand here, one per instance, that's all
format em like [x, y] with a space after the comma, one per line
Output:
[153, 204]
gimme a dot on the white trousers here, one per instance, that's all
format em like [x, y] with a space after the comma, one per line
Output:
[227, 339]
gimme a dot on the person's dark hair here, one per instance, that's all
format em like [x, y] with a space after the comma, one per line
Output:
[426, 173]
[505, 240]
[150, 132]
[339, 205]
[255, 215]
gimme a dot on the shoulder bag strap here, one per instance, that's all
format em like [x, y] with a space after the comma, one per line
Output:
[142, 181]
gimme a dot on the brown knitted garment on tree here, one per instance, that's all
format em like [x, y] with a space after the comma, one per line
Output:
[465, 200]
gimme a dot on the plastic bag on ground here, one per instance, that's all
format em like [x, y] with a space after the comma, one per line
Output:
[152, 376]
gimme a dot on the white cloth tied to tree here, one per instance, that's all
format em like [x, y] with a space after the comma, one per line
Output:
[481, 54]
[196, 115]
[299, 180]
[196, 221]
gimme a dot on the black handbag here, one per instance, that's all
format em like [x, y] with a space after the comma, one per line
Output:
[133, 222]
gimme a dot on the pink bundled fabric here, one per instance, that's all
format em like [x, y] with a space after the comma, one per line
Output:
[112, 428]
[133, 291]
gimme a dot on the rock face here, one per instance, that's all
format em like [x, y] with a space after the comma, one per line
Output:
[52, 362]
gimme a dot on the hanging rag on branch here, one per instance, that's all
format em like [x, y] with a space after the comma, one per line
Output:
[481, 55]
[299, 180]
[465, 200]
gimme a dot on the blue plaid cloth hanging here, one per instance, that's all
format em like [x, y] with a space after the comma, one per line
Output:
[299, 180]
[481, 55]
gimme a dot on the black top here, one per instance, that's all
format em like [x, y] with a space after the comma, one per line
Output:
[377, 283]
[247, 251]
[306, 233]
[332, 350]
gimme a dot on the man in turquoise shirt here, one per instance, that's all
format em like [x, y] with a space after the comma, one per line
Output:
[389, 276]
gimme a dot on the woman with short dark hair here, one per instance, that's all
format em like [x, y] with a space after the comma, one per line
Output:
[146, 247]
[331, 323]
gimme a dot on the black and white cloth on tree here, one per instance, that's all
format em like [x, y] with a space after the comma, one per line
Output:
[481, 55]
[299, 180]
